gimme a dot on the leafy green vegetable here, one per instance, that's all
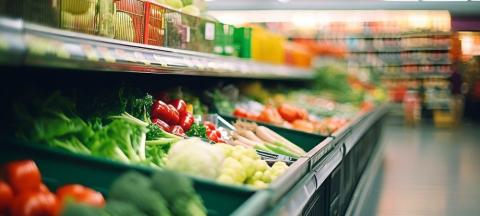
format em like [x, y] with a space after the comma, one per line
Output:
[182, 199]
[79, 209]
[197, 130]
[119, 208]
[136, 189]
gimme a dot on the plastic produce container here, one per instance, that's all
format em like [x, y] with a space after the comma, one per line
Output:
[43, 12]
[60, 167]
[129, 20]
[154, 24]
[183, 31]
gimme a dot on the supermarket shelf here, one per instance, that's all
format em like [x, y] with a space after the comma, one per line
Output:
[403, 65]
[410, 49]
[415, 75]
[48, 47]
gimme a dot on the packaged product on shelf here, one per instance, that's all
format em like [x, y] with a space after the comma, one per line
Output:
[155, 28]
[242, 39]
[129, 20]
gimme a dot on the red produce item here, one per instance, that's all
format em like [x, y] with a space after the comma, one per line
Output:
[34, 203]
[178, 130]
[240, 112]
[174, 116]
[180, 105]
[160, 110]
[186, 121]
[288, 112]
[79, 194]
[6, 197]
[213, 136]
[209, 125]
[270, 115]
[161, 124]
[23, 175]
[303, 125]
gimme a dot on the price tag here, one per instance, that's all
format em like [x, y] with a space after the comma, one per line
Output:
[90, 53]
[140, 58]
[106, 54]
[209, 31]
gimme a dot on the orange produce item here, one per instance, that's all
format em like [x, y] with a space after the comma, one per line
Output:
[270, 115]
[303, 125]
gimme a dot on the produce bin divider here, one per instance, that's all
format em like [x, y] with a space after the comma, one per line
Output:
[320, 151]
[325, 168]
[254, 206]
[286, 181]
[297, 198]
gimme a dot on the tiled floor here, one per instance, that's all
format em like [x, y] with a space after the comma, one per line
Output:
[429, 171]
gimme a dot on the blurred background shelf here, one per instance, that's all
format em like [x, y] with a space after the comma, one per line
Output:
[35, 45]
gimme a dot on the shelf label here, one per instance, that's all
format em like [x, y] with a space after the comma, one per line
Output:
[209, 31]
[106, 54]
[90, 53]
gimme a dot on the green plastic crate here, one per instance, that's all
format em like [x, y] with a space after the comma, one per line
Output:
[60, 167]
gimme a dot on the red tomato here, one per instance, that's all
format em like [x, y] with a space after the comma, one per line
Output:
[43, 188]
[174, 116]
[180, 105]
[161, 124]
[33, 203]
[288, 112]
[6, 197]
[240, 112]
[79, 194]
[209, 125]
[23, 175]
[178, 130]
[302, 114]
[186, 121]
[217, 132]
[213, 136]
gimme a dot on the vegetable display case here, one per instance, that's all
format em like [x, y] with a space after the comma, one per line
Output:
[319, 183]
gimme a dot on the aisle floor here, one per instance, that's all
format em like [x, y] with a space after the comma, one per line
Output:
[429, 171]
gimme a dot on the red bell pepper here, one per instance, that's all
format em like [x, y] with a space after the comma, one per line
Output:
[161, 124]
[186, 121]
[180, 105]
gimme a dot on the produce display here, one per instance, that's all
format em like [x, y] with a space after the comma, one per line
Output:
[165, 131]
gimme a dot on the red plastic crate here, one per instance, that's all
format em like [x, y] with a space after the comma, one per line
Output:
[136, 10]
[154, 24]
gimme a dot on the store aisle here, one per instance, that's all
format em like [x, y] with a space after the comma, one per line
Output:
[429, 171]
